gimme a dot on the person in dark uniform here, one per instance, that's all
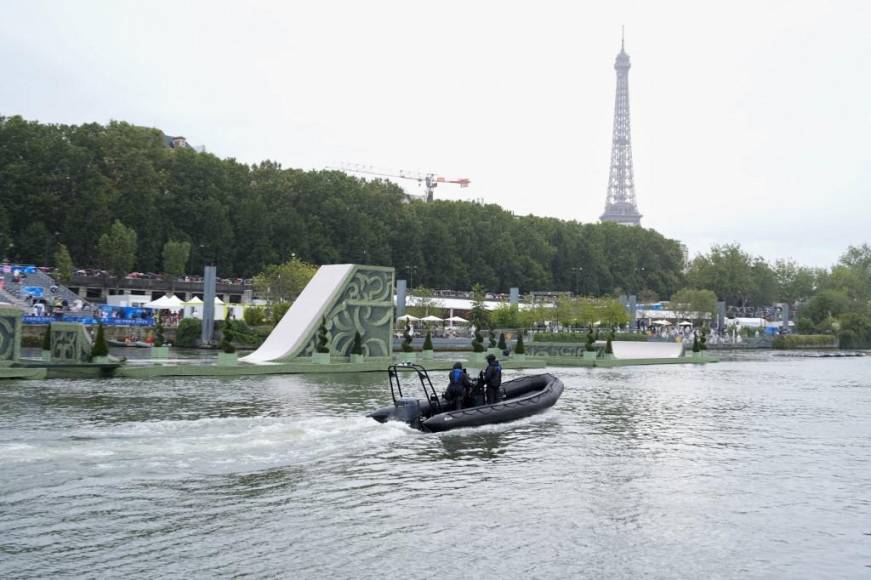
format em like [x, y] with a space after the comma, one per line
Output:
[459, 386]
[492, 378]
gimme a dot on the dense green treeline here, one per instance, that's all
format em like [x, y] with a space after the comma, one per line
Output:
[68, 184]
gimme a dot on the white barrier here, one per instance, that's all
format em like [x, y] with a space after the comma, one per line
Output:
[630, 349]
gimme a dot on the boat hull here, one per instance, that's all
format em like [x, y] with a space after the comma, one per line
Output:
[524, 397]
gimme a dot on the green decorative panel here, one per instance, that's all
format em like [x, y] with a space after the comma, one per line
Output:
[550, 349]
[364, 305]
[10, 335]
[70, 343]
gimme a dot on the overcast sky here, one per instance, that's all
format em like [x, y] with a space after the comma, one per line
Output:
[750, 120]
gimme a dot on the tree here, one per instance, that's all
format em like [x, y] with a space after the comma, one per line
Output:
[46, 338]
[101, 347]
[357, 345]
[519, 348]
[502, 346]
[733, 275]
[117, 249]
[64, 264]
[427, 341]
[254, 315]
[188, 333]
[284, 282]
[478, 315]
[159, 338]
[477, 341]
[322, 344]
[175, 258]
[696, 304]
[795, 283]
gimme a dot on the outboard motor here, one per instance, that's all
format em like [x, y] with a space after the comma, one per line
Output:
[408, 410]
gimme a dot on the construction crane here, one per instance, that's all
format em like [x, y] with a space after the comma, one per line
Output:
[429, 180]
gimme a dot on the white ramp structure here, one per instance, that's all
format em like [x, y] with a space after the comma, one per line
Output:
[352, 298]
[636, 350]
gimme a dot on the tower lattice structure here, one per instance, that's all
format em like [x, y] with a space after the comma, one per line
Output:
[620, 205]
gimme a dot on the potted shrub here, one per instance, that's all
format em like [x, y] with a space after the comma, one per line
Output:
[100, 350]
[357, 348]
[321, 354]
[227, 357]
[589, 346]
[427, 353]
[477, 347]
[407, 354]
[492, 348]
[697, 347]
[158, 349]
[519, 349]
[609, 348]
[46, 343]
[502, 346]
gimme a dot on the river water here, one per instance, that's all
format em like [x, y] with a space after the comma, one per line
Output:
[758, 467]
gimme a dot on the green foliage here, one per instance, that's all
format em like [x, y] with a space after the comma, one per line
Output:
[703, 337]
[734, 276]
[478, 315]
[697, 347]
[695, 304]
[188, 333]
[159, 338]
[491, 339]
[175, 257]
[227, 339]
[277, 312]
[46, 338]
[502, 346]
[427, 341]
[117, 249]
[518, 347]
[357, 345]
[787, 341]
[477, 341]
[826, 304]
[64, 264]
[609, 348]
[590, 339]
[77, 180]
[322, 341]
[101, 347]
[855, 330]
[254, 315]
[284, 282]
[506, 316]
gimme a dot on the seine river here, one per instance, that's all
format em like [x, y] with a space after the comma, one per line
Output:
[758, 467]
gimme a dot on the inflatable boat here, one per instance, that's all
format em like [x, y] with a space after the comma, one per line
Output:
[518, 398]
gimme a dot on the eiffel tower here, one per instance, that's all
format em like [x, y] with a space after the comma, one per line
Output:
[620, 206]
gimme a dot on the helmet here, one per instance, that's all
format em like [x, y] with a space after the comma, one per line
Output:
[491, 357]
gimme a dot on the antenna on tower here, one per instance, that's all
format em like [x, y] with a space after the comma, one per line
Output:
[622, 36]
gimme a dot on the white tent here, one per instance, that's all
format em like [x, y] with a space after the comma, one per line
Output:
[431, 318]
[457, 319]
[685, 323]
[195, 301]
[661, 323]
[166, 302]
[408, 318]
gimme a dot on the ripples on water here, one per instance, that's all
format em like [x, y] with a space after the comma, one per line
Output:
[751, 468]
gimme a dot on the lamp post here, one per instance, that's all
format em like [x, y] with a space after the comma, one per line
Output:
[411, 270]
[577, 270]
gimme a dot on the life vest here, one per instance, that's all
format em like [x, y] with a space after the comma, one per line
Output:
[457, 376]
[496, 376]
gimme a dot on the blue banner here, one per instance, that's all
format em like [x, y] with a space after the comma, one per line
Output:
[89, 320]
[35, 291]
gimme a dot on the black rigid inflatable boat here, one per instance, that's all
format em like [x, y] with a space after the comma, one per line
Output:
[519, 398]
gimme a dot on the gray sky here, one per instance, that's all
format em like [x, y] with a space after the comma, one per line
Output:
[750, 120]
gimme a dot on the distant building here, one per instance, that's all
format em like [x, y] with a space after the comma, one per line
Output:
[176, 142]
